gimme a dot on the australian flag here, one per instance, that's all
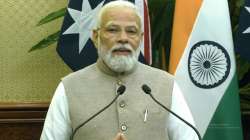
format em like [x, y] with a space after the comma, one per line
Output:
[75, 46]
[243, 37]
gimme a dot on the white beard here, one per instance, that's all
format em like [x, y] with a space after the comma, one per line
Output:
[119, 63]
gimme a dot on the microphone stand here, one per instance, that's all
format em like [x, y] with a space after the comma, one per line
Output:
[147, 90]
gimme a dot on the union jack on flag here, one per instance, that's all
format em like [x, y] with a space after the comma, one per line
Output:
[75, 46]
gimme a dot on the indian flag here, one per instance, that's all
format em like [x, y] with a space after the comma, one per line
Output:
[202, 59]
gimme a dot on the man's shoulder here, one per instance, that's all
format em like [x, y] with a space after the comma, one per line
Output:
[82, 73]
[155, 72]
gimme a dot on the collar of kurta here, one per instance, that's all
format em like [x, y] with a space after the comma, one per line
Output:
[104, 68]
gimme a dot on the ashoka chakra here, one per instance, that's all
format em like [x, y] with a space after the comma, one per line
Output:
[208, 64]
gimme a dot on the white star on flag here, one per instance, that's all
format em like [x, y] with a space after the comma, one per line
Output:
[84, 22]
[247, 31]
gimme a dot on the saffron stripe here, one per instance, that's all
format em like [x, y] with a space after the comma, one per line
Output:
[185, 15]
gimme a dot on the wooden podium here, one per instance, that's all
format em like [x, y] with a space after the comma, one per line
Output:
[22, 121]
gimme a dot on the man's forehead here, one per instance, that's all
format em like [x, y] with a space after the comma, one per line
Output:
[120, 24]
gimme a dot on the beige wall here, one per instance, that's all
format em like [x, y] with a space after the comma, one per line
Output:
[28, 77]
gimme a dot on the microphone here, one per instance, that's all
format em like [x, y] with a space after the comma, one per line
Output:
[119, 91]
[147, 90]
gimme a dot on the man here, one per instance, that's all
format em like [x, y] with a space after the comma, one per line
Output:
[134, 116]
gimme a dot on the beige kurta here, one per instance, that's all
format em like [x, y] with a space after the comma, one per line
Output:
[90, 89]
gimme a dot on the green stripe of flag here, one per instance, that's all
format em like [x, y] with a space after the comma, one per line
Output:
[226, 122]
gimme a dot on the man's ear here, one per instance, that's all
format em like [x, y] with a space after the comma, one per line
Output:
[141, 36]
[94, 37]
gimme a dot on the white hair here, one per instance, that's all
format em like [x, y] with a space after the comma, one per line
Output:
[119, 63]
[115, 4]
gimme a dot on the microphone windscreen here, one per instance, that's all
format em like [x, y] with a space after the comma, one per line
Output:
[146, 89]
[121, 89]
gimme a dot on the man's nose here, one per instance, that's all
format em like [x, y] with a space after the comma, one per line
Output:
[123, 37]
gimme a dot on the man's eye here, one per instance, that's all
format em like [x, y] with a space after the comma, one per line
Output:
[112, 30]
[132, 31]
